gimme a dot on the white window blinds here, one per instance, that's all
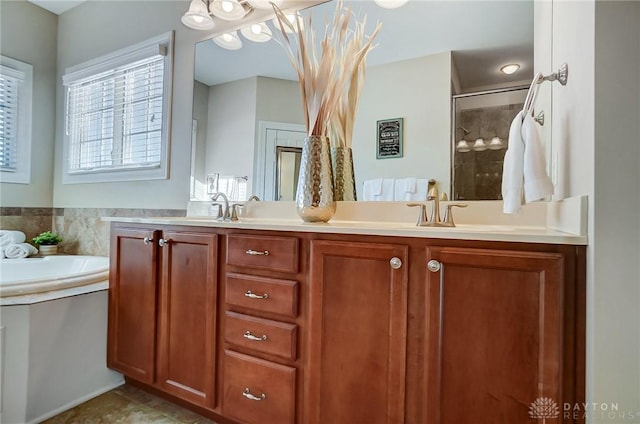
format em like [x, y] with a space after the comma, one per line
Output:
[16, 87]
[9, 90]
[116, 117]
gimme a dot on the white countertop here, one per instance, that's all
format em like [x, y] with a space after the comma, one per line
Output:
[509, 233]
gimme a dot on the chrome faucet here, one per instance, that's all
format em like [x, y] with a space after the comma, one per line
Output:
[222, 215]
[434, 219]
[253, 197]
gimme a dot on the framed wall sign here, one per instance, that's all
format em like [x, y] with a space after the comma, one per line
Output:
[389, 138]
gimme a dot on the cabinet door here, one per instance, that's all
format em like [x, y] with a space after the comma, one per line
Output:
[493, 335]
[187, 318]
[355, 371]
[132, 303]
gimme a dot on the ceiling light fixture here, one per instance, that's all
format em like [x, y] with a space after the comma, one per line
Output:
[510, 68]
[229, 10]
[495, 143]
[390, 4]
[479, 145]
[259, 33]
[197, 17]
[229, 41]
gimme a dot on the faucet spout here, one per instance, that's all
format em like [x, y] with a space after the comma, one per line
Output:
[215, 197]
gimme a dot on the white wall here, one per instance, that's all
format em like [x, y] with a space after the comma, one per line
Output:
[200, 115]
[97, 28]
[596, 136]
[418, 90]
[28, 33]
[231, 128]
[279, 101]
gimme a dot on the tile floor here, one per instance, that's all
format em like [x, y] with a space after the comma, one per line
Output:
[128, 405]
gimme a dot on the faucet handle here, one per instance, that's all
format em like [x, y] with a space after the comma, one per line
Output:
[422, 216]
[448, 215]
[234, 210]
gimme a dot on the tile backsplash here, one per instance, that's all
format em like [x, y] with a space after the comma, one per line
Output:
[82, 229]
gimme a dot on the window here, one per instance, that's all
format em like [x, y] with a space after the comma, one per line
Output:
[16, 85]
[117, 115]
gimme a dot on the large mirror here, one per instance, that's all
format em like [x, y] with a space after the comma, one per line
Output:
[247, 107]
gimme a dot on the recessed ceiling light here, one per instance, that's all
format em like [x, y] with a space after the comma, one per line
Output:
[510, 68]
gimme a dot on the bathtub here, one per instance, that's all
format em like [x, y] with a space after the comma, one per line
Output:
[50, 273]
[53, 333]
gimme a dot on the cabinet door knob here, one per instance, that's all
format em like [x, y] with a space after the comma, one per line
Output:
[248, 335]
[247, 393]
[252, 295]
[163, 242]
[147, 240]
[395, 263]
[433, 265]
[257, 252]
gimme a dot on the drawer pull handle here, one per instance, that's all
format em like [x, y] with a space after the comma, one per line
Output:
[257, 252]
[252, 295]
[147, 240]
[248, 335]
[395, 263]
[248, 395]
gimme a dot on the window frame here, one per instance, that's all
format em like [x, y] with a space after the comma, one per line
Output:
[22, 174]
[108, 62]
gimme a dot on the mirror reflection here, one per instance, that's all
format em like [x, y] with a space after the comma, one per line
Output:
[247, 108]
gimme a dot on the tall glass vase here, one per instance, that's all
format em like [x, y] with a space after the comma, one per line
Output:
[314, 196]
[344, 183]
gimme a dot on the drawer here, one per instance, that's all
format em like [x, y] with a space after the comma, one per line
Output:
[258, 391]
[264, 252]
[262, 335]
[262, 294]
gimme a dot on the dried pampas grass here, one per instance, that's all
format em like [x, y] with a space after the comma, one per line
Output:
[330, 79]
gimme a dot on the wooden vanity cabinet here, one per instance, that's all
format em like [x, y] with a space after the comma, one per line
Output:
[356, 365]
[347, 329]
[261, 328]
[162, 310]
[502, 329]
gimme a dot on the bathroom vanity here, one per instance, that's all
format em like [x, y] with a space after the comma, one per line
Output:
[279, 322]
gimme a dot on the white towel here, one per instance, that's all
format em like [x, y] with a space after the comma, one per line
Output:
[523, 171]
[419, 187]
[372, 188]
[388, 190]
[537, 184]
[8, 237]
[406, 185]
[19, 251]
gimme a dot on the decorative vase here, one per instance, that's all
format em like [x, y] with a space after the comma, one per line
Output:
[314, 195]
[48, 249]
[344, 183]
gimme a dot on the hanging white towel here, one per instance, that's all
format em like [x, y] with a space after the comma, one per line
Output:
[537, 184]
[523, 172]
[411, 189]
[19, 251]
[513, 168]
[8, 237]
[371, 188]
[388, 190]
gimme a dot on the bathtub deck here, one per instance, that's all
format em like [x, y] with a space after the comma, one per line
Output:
[128, 404]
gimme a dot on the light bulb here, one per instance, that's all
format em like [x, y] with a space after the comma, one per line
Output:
[227, 6]
[256, 29]
[227, 37]
[510, 68]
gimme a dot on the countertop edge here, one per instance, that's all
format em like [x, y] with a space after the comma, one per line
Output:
[521, 234]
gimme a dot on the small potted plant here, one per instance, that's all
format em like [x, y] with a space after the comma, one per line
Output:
[47, 243]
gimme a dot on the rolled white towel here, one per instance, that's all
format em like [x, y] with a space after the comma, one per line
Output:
[19, 251]
[8, 237]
